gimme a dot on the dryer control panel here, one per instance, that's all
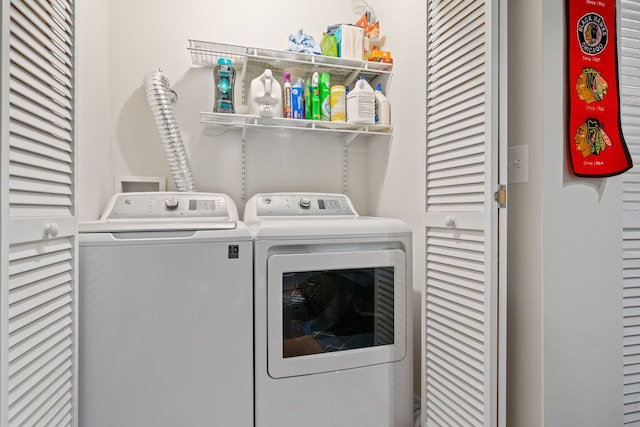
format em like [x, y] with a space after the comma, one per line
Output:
[301, 205]
[167, 205]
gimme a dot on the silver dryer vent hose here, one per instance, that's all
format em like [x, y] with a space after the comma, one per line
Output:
[159, 96]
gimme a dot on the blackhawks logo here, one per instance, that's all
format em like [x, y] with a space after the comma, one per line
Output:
[592, 33]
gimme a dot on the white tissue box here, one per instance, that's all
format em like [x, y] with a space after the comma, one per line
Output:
[350, 39]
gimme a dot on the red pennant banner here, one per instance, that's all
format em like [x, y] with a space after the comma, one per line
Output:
[596, 145]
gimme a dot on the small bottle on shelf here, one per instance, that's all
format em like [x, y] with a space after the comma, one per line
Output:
[286, 96]
[224, 76]
[382, 108]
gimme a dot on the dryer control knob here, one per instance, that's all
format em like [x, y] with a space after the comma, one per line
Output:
[305, 203]
[171, 204]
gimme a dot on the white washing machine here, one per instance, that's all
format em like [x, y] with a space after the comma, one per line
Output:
[166, 313]
[332, 313]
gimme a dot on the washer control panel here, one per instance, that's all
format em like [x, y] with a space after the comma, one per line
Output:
[311, 204]
[166, 205]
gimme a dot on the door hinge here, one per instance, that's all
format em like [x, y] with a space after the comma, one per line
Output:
[500, 196]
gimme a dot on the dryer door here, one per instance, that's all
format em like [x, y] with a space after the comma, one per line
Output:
[337, 310]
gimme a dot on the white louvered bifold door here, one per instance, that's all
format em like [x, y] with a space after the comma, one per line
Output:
[464, 302]
[630, 110]
[38, 223]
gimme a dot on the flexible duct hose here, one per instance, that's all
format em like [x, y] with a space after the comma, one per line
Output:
[156, 87]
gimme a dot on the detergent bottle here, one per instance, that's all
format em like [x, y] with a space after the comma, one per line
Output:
[265, 96]
[361, 103]
[224, 76]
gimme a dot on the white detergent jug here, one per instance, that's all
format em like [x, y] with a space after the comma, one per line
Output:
[265, 96]
[361, 104]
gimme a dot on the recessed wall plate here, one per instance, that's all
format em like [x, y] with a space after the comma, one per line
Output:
[128, 184]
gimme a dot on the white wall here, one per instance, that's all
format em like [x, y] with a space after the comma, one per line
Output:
[120, 41]
[524, 269]
[94, 182]
[582, 268]
[565, 249]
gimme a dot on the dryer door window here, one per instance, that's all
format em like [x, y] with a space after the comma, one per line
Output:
[335, 311]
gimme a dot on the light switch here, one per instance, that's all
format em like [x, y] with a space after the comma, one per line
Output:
[518, 164]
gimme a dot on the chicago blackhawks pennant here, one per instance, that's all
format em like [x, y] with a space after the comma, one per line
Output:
[595, 143]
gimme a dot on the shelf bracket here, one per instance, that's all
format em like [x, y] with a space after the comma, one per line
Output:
[352, 77]
[345, 162]
[349, 139]
[345, 168]
[243, 165]
[243, 74]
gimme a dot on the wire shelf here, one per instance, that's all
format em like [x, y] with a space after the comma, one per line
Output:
[344, 71]
[231, 121]
[250, 62]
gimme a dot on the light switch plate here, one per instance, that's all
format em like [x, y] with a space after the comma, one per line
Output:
[518, 164]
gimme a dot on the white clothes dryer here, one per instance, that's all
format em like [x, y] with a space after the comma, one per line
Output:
[332, 327]
[166, 313]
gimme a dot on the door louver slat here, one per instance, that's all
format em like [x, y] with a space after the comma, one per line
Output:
[23, 117]
[42, 100]
[630, 120]
[37, 60]
[24, 171]
[27, 14]
[49, 90]
[34, 162]
[26, 352]
[31, 72]
[20, 184]
[23, 136]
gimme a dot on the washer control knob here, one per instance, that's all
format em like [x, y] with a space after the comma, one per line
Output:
[171, 204]
[305, 203]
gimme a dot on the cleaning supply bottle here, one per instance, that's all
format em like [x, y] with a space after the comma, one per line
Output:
[346, 110]
[224, 76]
[265, 96]
[382, 107]
[338, 107]
[325, 92]
[286, 97]
[361, 103]
[297, 99]
[315, 96]
[307, 99]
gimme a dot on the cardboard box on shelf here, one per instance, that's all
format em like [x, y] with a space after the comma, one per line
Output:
[350, 39]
